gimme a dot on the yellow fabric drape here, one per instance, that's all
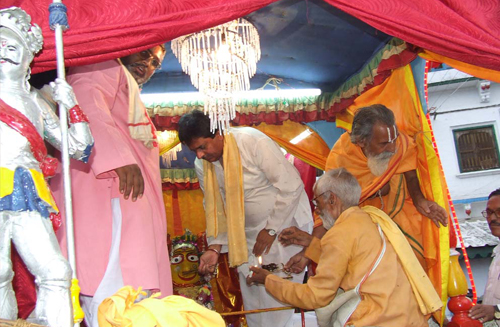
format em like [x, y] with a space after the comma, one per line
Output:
[427, 298]
[312, 150]
[483, 73]
[120, 310]
[230, 218]
[399, 93]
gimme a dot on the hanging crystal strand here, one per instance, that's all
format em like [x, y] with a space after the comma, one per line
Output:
[244, 39]
[233, 105]
[216, 74]
[205, 47]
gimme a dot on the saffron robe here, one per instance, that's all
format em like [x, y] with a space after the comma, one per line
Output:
[397, 203]
[344, 255]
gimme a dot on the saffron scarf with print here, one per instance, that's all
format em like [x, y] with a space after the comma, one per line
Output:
[230, 218]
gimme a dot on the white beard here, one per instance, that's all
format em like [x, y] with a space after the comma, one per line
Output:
[378, 164]
[327, 219]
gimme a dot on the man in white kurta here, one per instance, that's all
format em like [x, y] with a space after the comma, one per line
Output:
[274, 199]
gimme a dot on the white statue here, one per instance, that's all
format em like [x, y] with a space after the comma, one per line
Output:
[26, 204]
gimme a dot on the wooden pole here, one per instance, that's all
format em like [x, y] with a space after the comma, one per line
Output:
[235, 313]
[17, 323]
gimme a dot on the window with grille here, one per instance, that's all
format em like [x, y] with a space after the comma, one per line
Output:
[477, 149]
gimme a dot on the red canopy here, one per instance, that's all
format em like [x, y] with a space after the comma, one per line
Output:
[106, 29]
[103, 29]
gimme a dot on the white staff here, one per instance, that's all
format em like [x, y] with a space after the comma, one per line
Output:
[58, 21]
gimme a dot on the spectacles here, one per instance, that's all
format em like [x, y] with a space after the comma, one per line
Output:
[315, 200]
[487, 213]
[147, 54]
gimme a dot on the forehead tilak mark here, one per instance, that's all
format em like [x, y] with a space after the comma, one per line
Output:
[389, 138]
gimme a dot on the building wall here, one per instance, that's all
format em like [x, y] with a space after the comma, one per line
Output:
[455, 99]
[457, 106]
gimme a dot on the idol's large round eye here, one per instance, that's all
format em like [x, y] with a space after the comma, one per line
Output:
[177, 259]
[193, 258]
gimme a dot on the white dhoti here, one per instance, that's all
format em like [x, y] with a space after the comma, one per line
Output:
[113, 279]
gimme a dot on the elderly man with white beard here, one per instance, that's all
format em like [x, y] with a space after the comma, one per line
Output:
[357, 241]
[384, 162]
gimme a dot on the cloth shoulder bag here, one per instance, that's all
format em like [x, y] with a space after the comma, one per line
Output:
[338, 312]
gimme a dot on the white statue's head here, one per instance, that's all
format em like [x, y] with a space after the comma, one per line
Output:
[19, 22]
[19, 42]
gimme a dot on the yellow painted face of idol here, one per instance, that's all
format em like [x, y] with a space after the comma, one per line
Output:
[185, 262]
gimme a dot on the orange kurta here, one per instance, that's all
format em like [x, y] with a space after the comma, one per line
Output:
[346, 253]
[397, 204]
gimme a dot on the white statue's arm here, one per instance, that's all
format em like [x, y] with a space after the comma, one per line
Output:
[79, 136]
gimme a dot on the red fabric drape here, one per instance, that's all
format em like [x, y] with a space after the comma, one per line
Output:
[24, 286]
[106, 29]
[180, 186]
[464, 30]
[307, 175]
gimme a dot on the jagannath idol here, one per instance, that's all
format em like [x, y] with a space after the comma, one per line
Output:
[184, 260]
[26, 204]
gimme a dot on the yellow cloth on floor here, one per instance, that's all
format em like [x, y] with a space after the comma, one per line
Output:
[231, 218]
[427, 298]
[120, 310]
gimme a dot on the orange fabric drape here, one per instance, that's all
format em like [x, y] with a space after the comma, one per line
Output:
[312, 150]
[399, 93]
[184, 209]
[484, 73]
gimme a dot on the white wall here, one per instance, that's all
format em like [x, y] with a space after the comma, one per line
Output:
[458, 106]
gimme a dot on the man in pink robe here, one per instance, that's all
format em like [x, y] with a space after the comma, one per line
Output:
[119, 215]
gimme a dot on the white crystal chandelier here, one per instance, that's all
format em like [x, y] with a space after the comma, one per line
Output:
[220, 61]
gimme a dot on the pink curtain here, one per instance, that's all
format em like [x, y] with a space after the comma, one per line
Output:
[465, 30]
[107, 29]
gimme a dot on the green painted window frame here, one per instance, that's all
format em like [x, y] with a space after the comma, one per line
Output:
[459, 132]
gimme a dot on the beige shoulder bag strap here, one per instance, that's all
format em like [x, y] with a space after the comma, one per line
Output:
[338, 312]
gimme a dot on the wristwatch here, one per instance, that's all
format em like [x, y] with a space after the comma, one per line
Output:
[497, 312]
[271, 232]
